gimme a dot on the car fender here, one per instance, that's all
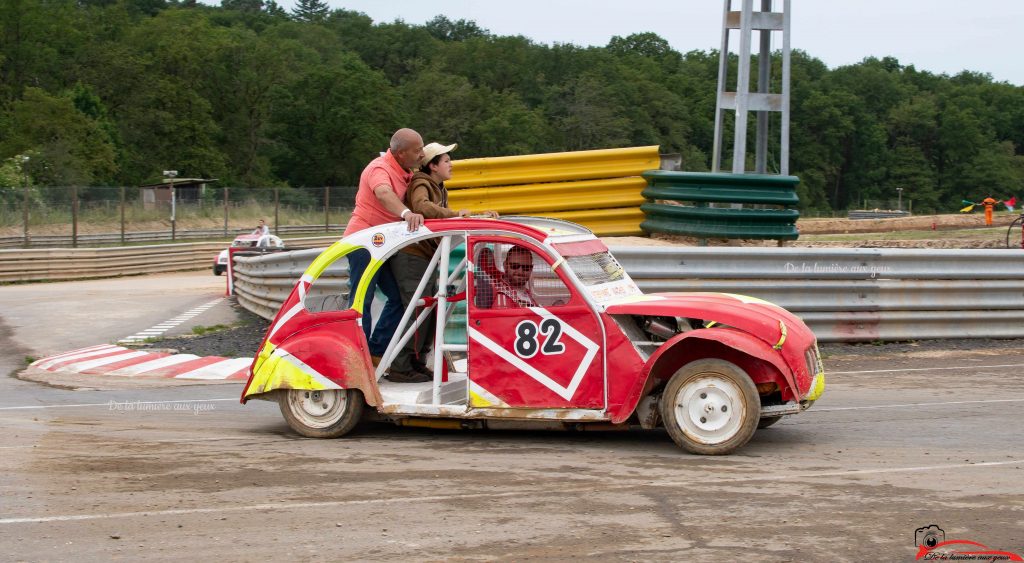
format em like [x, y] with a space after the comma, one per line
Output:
[674, 351]
[304, 360]
[735, 339]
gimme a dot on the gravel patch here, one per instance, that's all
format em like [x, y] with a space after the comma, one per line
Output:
[242, 340]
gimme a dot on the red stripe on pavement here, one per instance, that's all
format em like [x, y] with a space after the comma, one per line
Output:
[79, 351]
[61, 364]
[240, 374]
[177, 369]
[105, 369]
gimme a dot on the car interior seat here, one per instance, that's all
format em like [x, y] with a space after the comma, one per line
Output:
[483, 278]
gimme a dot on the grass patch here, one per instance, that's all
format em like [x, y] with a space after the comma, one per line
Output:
[201, 330]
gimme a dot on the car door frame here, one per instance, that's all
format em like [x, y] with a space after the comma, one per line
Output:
[579, 304]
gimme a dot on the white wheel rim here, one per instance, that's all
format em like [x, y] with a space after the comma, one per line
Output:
[317, 409]
[710, 409]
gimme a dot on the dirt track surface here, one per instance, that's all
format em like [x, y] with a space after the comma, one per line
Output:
[883, 453]
[915, 222]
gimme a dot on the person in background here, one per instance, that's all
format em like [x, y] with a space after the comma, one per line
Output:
[426, 196]
[379, 200]
[990, 204]
[261, 228]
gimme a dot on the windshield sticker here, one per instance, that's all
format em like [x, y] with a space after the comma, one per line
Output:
[613, 291]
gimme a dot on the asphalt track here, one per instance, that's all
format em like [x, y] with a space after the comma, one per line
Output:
[127, 469]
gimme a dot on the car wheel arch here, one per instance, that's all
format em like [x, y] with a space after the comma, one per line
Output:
[352, 369]
[761, 362]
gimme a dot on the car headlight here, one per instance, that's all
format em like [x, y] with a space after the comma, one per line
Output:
[817, 372]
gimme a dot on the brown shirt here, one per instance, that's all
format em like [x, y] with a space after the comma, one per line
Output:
[430, 199]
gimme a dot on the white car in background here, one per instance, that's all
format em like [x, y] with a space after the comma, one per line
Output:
[258, 243]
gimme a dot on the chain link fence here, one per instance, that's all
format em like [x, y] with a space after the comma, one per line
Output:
[36, 216]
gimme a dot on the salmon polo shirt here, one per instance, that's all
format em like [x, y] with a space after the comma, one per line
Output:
[369, 211]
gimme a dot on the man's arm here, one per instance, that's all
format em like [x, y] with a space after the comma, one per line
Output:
[387, 197]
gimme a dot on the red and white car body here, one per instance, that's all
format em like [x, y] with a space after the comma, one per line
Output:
[591, 350]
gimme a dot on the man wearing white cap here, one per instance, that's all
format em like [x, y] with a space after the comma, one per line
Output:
[426, 196]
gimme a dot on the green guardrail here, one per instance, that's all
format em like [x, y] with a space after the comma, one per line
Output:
[696, 193]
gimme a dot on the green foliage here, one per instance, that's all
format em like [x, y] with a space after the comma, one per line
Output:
[447, 30]
[69, 146]
[13, 180]
[310, 11]
[115, 91]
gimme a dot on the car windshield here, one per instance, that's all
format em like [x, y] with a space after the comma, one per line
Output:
[597, 268]
[601, 274]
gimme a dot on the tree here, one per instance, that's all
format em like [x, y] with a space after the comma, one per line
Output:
[69, 147]
[912, 131]
[447, 30]
[586, 117]
[121, 89]
[251, 6]
[310, 11]
[334, 119]
[163, 108]
[648, 45]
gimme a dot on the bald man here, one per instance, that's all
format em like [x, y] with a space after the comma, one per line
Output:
[379, 200]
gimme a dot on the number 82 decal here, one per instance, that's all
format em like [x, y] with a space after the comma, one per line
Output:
[528, 342]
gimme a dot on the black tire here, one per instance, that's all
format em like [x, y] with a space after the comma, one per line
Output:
[217, 270]
[710, 407]
[767, 421]
[330, 413]
[1014, 234]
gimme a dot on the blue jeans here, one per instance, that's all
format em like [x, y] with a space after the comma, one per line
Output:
[378, 337]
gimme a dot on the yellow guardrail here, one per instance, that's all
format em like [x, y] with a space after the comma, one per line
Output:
[552, 167]
[532, 199]
[599, 189]
[615, 222]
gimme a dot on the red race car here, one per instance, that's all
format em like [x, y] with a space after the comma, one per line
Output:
[537, 326]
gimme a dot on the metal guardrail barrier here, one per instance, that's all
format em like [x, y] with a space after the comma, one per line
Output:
[49, 241]
[52, 264]
[693, 193]
[854, 294]
[876, 214]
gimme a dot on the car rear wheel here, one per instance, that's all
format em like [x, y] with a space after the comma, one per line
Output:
[328, 413]
[710, 407]
[767, 421]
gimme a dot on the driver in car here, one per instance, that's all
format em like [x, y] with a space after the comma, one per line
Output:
[513, 288]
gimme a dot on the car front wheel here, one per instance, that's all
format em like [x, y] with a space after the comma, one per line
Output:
[328, 413]
[710, 407]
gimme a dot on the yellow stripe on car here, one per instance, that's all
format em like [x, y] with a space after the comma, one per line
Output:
[782, 336]
[817, 387]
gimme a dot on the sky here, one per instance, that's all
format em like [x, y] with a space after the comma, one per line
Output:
[940, 36]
